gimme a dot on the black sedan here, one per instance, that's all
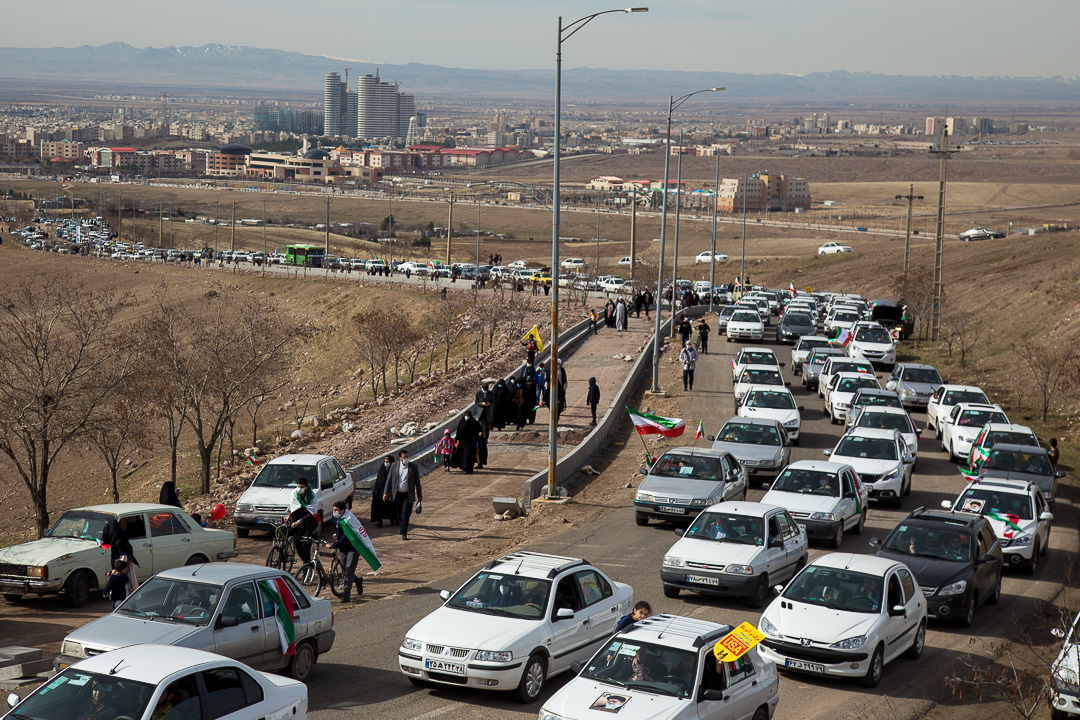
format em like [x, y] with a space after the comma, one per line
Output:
[794, 325]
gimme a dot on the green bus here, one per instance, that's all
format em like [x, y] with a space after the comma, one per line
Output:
[309, 255]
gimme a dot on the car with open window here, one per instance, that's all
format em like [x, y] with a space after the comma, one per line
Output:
[522, 619]
[683, 481]
[827, 498]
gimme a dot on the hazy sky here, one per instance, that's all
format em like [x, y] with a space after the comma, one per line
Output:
[912, 37]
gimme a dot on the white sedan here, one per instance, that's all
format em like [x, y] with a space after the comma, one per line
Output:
[963, 424]
[745, 325]
[709, 256]
[834, 248]
[773, 403]
[945, 397]
[846, 616]
[144, 681]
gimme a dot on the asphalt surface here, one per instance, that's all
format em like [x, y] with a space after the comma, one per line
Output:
[361, 672]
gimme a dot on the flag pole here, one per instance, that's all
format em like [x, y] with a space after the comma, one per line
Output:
[648, 455]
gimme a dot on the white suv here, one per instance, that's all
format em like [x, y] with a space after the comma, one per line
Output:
[522, 619]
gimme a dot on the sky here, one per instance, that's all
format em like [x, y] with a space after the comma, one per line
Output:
[913, 37]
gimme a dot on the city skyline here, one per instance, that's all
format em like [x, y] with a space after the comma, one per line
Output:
[963, 37]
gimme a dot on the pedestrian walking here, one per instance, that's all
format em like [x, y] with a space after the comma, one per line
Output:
[620, 315]
[609, 314]
[688, 356]
[168, 494]
[1054, 453]
[592, 398]
[646, 302]
[116, 583]
[380, 509]
[485, 398]
[530, 351]
[685, 329]
[443, 449]
[345, 543]
[593, 319]
[404, 490]
[703, 336]
[114, 536]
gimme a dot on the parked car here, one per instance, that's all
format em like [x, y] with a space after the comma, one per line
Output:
[689, 683]
[70, 558]
[826, 498]
[133, 682]
[980, 233]
[266, 501]
[955, 557]
[882, 460]
[684, 480]
[963, 424]
[1017, 513]
[915, 383]
[226, 609]
[626, 262]
[735, 548]
[709, 256]
[773, 403]
[522, 619]
[745, 324]
[945, 398]
[803, 346]
[1065, 674]
[834, 248]
[1023, 462]
[846, 616]
[760, 445]
[573, 264]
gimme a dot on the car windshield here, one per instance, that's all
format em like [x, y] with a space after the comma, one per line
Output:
[770, 399]
[854, 446]
[1003, 506]
[812, 343]
[878, 399]
[632, 664]
[746, 317]
[685, 465]
[758, 357]
[285, 476]
[955, 397]
[847, 366]
[78, 694]
[80, 524]
[873, 335]
[751, 434]
[505, 595]
[175, 601]
[837, 589]
[1009, 437]
[846, 316]
[978, 418]
[1020, 462]
[808, 482]
[941, 543]
[727, 528]
[921, 375]
[791, 318]
[852, 384]
[727, 312]
[885, 421]
[754, 376]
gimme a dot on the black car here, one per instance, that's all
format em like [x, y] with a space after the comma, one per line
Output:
[956, 559]
[793, 325]
[1025, 463]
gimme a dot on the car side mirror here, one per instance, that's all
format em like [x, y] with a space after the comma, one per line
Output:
[227, 621]
[711, 438]
[875, 542]
[782, 364]
[1047, 516]
[908, 459]
[712, 695]
[891, 385]
[826, 453]
[988, 558]
[575, 667]
[897, 611]
[801, 408]
[776, 542]
[1059, 474]
[679, 531]
[1056, 632]
[444, 594]
[13, 700]
[777, 589]
[564, 614]
[946, 505]
[787, 383]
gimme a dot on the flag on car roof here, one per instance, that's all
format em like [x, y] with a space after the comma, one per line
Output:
[647, 424]
[969, 473]
[278, 592]
[700, 430]
[359, 539]
[737, 283]
[791, 289]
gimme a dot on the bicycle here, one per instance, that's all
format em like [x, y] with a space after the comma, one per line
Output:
[282, 554]
[312, 576]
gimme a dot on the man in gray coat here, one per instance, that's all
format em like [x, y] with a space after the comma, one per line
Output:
[404, 490]
[485, 398]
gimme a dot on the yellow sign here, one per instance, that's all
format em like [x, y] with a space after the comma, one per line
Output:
[808, 289]
[737, 642]
[535, 335]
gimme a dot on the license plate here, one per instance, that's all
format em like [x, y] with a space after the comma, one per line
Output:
[443, 666]
[672, 510]
[750, 463]
[807, 666]
[702, 580]
[269, 521]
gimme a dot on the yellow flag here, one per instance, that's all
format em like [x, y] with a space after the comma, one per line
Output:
[535, 335]
[737, 642]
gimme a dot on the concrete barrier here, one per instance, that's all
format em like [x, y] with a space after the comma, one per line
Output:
[579, 455]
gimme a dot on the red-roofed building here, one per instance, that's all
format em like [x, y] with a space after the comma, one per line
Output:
[111, 157]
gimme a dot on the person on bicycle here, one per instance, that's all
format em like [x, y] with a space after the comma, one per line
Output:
[349, 554]
[302, 522]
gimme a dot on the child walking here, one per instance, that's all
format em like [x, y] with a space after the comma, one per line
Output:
[443, 449]
[592, 399]
[117, 583]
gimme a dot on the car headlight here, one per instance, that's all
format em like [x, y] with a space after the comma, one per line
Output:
[494, 655]
[243, 508]
[671, 561]
[767, 627]
[1020, 540]
[739, 569]
[548, 715]
[73, 649]
[907, 392]
[38, 571]
[851, 643]
[411, 644]
[892, 475]
[823, 516]
[955, 589]
[700, 501]
[1065, 680]
[842, 406]
[792, 423]
[643, 497]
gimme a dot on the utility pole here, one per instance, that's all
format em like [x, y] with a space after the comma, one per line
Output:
[266, 260]
[712, 258]
[911, 197]
[232, 234]
[742, 266]
[160, 224]
[944, 152]
[390, 224]
[326, 252]
[596, 268]
[133, 234]
[633, 233]
[678, 211]
[476, 280]
[449, 228]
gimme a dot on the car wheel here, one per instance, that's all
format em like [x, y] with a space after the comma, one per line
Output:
[1046, 545]
[836, 540]
[761, 590]
[641, 520]
[915, 651]
[1034, 564]
[77, 588]
[196, 560]
[242, 532]
[303, 662]
[532, 680]
[862, 523]
[907, 488]
[996, 597]
[873, 672]
[1056, 714]
[762, 713]
[670, 591]
[13, 597]
[969, 616]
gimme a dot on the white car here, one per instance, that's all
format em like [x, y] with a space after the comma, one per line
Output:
[753, 375]
[145, 681]
[945, 397]
[882, 460]
[518, 265]
[841, 390]
[890, 418]
[994, 433]
[979, 233]
[843, 317]
[664, 667]
[1018, 514]
[962, 426]
[826, 498]
[626, 262]
[573, 264]
[745, 325]
[735, 548]
[1065, 674]
[751, 355]
[522, 619]
[834, 248]
[846, 616]
[773, 403]
[874, 343]
[266, 501]
[802, 349]
[709, 256]
[613, 284]
[836, 365]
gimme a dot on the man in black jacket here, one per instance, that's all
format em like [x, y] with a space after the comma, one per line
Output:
[403, 489]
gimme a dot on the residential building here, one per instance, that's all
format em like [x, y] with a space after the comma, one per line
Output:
[763, 192]
[335, 106]
[383, 111]
[64, 150]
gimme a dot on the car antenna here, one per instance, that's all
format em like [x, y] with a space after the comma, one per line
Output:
[670, 620]
[196, 570]
[113, 671]
[521, 562]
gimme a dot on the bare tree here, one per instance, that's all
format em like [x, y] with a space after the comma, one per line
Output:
[120, 425]
[446, 321]
[963, 330]
[167, 351]
[1048, 363]
[63, 354]
[373, 341]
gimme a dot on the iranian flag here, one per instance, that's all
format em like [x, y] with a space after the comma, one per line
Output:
[647, 424]
[278, 592]
[791, 289]
[737, 283]
[359, 539]
[969, 473]
[843, 337]
[1009, 521]
[700, 430]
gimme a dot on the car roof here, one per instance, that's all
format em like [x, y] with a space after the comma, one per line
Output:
[533, 564]
[978, 406]
[1019, 487]
[676, 631]
[914, 366]
[814, 337]
[760, 366]
[1012, 447]
[743, 507]
[953, 517]
[874, 391]
[758, 348]
[1007, 427]
[949, 388]
[216, 573]
[299, 459]
[128, 508]
[819, 465]
[884, 409]
[755, 420]
[868, 564]
[148, 663]
[770, 388]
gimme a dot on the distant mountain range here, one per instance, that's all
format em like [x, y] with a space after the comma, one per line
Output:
[223, 67]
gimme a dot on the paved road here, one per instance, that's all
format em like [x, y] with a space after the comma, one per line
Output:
[369, 636]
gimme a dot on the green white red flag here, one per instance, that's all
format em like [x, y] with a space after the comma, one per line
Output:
[359, 539]
[647, 424]
[700, 430]
[843, 337]
[277, 591]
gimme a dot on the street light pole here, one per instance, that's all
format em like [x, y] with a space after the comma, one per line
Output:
[712, 256]
[944, 152]
[675, 255]
[564, 33]
[266, 260]
[596, 268]
[742, 266]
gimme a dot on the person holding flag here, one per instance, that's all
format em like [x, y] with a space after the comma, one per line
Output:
[352, 542]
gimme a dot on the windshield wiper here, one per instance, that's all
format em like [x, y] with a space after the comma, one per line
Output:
[133, 611]
[648, 686]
